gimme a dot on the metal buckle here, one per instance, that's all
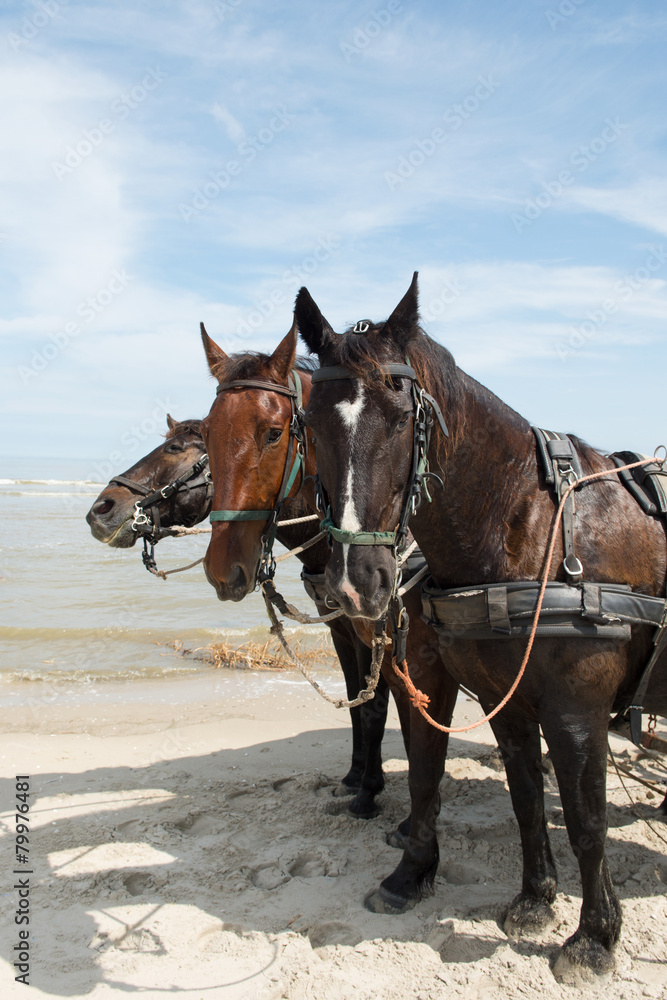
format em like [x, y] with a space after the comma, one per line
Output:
[140, 518]
[573, 572]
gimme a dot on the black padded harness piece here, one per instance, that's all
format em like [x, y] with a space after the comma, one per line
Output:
[598, 610]
[575, 608]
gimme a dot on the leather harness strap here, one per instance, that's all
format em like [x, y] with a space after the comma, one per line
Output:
[561, 468]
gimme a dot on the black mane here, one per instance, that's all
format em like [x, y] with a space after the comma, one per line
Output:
[250, 363]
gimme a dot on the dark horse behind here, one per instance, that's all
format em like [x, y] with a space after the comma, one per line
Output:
[488, 523]
[112, 516]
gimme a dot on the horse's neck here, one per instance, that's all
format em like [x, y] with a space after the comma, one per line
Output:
[488, 468]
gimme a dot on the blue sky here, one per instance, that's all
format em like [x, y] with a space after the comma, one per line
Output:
[166, 163]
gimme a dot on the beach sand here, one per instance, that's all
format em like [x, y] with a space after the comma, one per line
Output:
[184, 843]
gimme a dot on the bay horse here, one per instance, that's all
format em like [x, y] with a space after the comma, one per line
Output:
[488, 523]
[112, 514]
[247, 434]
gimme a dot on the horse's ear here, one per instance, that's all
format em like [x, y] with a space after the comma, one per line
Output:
[403, 322]
[282, 359]
[215, 355]
[171, 423]
[313, 327]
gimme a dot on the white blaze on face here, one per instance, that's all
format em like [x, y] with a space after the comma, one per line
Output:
[350, 411]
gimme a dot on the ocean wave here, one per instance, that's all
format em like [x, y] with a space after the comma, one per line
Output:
[153, 636]
[50, 482]
[46, 493]
[62, 677]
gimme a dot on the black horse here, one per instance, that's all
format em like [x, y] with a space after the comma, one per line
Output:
[488, 523]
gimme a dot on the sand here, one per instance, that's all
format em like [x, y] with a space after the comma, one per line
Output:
[191, 844]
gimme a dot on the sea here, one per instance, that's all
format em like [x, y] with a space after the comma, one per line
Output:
[76, 615]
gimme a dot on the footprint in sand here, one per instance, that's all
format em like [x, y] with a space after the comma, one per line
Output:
[137, 883]
[461, 873]
[308, 865]
[333, 932]
[199, 824]
[269, 876]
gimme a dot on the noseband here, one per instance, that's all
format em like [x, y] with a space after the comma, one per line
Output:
[147, 522]
[424, 409]
[295, 463]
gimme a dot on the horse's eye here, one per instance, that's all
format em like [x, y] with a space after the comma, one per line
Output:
[403, 422]
[174, 448]
[274, 435]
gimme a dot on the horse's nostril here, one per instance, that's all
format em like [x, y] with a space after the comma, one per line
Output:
[237, 578]
[103, 507]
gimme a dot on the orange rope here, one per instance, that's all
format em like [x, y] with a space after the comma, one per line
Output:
[421, 700]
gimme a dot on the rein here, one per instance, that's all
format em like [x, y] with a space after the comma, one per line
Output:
[295, 463]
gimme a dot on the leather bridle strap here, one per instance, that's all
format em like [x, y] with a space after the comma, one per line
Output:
[253, 384]
[295, 462]
[424, 406]
[129, 484]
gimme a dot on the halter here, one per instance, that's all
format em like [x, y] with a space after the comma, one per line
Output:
[295, 463]
[425, 407]
[146, 522]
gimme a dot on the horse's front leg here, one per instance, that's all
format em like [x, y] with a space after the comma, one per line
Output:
[577, 738]
[518, 738]
[413, 878]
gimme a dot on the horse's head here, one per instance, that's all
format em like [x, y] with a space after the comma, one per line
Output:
[111, 516]
[252, 451]
[362, 411]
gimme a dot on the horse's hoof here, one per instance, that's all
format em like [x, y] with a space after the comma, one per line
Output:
[363, 809]
[397, 839]
[383, 901]
[584, 963]
[526, 916]
[343, 789]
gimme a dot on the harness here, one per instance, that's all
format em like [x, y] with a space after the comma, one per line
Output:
[572, 608]
[295, 463]
[147, 521]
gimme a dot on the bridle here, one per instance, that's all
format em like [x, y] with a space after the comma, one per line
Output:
[147, 521]
[424, 409]
[425, 412]
[295, 463]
